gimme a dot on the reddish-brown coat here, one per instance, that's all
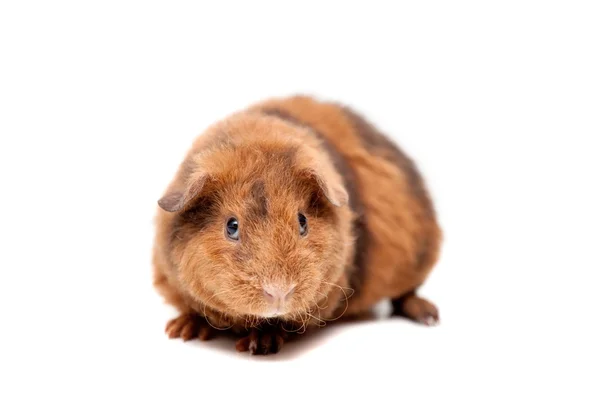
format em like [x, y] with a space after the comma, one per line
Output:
[264, 165]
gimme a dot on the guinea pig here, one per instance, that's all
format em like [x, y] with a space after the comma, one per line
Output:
[286, 215]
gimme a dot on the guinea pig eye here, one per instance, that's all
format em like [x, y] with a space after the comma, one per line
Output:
[303, 224]
[232, 229]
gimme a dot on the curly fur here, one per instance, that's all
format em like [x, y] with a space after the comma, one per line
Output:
[372, 230]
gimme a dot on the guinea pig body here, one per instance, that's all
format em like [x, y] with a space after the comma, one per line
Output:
[289, 214]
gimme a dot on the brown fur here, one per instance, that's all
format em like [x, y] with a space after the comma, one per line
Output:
[372, 230]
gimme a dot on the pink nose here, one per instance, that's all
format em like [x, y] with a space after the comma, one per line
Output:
[278, 294]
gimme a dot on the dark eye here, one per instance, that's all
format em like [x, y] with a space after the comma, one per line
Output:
[303, 224]
[232, 229]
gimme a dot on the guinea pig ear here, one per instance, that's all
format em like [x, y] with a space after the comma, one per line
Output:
[175, 200]
[330, 183]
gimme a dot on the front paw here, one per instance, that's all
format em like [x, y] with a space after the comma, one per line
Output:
[263, 340]
[189, 326]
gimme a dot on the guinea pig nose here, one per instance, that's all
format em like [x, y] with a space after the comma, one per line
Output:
[278, 293]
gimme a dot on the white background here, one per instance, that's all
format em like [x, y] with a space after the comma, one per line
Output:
[498, 102]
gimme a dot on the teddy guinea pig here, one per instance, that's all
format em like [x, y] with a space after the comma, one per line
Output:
[287, 215]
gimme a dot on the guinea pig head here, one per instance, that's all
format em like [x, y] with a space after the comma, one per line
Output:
[260, 227]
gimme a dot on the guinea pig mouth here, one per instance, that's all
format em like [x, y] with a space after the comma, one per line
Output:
[275, 310]
[272, 314]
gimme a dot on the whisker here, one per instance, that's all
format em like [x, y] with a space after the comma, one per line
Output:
[346, 297]
[325, 297]
[341, 287]
[297, 315]
[220, 314]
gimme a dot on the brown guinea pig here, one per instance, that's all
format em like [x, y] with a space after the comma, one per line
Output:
[287, 215]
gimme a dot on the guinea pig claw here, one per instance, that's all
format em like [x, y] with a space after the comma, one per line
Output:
[267, 341]
[243, 344]
[188, 327]
[417, 309]
[429, 320]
